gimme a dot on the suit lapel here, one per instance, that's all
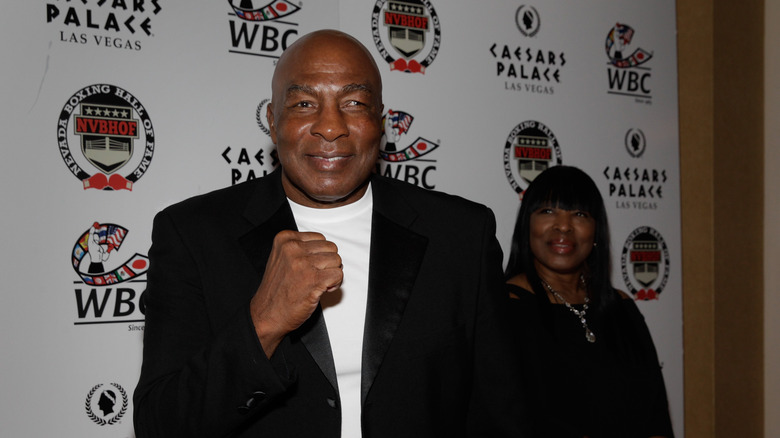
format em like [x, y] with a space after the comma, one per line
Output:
[314, 335]
[396, 255]
[269, 213]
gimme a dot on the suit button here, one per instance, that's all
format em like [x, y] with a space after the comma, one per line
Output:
[256, 396]
[332, 402]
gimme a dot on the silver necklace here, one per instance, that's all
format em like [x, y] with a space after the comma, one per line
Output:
[589, 335]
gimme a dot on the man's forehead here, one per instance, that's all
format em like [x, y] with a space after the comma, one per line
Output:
[300, 79]
[312, 89]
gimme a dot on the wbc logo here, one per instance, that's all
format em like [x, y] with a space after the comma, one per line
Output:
[405, 163]
[262, 10]
[95, 246]
[262, 27]
[111, 286]
[396, 124]
[628, 73]
[618, 39]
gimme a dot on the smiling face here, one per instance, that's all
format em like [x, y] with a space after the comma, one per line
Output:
[325, 119]
[561, 240]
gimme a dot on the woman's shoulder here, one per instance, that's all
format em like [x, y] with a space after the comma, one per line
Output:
[518, 288]
[621, 301]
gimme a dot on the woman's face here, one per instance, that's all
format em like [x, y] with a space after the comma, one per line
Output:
[561, 240]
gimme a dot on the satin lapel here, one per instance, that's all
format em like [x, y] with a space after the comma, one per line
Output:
[396, 255]
[269, 213]
[314, 335]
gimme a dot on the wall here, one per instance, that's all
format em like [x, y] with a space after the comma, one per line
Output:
[192, 80]
[721, 146]
[771, 220]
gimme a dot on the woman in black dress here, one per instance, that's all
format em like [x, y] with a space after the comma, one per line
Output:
[590, 366]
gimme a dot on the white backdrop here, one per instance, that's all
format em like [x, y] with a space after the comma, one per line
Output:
[174, 88]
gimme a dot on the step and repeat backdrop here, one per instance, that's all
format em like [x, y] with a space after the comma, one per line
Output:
[114, 109]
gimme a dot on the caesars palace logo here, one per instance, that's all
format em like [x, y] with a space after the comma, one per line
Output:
[106, 404]
[401, 30]
[104, 278]
[635, 187]
[118, 24]
[530, 149]
[261, 27]
[403, 161]
[105, 137]
[645, 263]
[627, 72]
[528, 67]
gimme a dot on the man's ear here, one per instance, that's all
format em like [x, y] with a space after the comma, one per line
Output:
[269, 115]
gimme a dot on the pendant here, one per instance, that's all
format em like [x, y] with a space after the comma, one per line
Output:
[589, 335]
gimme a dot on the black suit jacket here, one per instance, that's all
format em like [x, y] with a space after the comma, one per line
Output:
[436, 361]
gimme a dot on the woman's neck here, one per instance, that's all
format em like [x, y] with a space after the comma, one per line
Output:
[570, 286]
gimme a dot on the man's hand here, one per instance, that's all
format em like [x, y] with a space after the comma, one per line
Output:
[300, 268]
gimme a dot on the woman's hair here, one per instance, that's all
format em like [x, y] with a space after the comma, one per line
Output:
[567, 188]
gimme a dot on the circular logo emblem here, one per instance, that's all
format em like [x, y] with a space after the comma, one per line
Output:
[105, 137]
[92, 256]
[645, 263]
[530, 149]
[106, 404]
[527, 20]
[635, 142]
[402, 33]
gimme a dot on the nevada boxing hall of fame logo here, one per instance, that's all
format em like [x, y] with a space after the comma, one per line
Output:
[406, 33]
[110, 286]
[645, 263]
[106, 404]
[262, 27]
[255, 161]
[530, 149]
[405, 162]
[627, 70]
[105, 137]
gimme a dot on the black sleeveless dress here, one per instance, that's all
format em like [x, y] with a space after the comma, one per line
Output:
[612, 388]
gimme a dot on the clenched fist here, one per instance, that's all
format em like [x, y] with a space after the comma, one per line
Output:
[301, 267]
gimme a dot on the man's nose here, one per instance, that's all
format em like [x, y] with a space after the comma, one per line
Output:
[331, 123]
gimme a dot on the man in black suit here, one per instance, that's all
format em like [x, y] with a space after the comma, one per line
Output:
[324, 300]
